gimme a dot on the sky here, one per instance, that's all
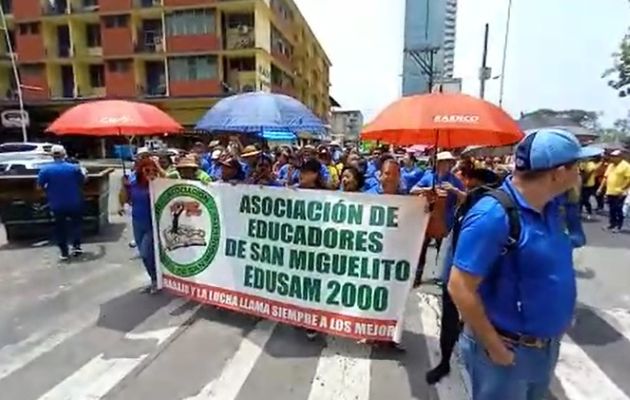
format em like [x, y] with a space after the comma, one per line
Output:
[557, 51]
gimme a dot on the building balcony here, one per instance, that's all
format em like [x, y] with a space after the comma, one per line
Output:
[27, 9]
[120, 84]
[85, 6]
[111, 6]
[284, 89]
[152, 91]
[58, 8]
[150, 42]
[192, 43]
[242, 81]
[282, 58]
[178, 3]
[148, 3]
[196, 88]
[37, 83]
[242, 37]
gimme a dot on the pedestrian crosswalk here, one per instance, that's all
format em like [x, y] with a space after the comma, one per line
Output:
[167, 348]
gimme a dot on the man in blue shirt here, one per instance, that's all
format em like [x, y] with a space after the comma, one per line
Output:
[516, 305]
[389, 181]
[63, 184]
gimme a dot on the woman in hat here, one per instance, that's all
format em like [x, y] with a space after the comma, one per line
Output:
[188, 168]
[232, 171]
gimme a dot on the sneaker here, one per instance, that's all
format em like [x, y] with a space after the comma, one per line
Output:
[77, 251]
[151, 289]
[132, 245]
[615, 230]
[63, 258]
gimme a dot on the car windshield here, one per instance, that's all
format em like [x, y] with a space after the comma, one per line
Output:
[17, 147]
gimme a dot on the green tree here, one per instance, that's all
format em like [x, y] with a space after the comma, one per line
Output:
[619, 74]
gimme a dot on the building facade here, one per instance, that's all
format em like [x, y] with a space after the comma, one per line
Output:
[430, 27]
[346, 125]
[182, 55]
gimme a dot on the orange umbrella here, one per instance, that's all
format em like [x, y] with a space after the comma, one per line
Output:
[446, 120]
[114, 117]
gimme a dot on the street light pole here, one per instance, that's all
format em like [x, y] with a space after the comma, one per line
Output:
[505, 48]
[16, 74]
[484, 71]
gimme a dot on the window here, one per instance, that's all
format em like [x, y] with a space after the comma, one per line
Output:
[31, 28]
[7, 6]
[16, 147]
[93, 35]
[116, 21]
[191, 22]
[97, 75]
[192, 68]
[119, 66]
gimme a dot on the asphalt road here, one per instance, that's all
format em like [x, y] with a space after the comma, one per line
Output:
[83, 331]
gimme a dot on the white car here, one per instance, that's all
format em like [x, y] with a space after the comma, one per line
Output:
[17, 149]
[26, 162]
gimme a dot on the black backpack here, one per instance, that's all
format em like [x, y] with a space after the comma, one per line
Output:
[507, 202]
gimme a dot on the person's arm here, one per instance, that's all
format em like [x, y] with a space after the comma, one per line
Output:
[479, 246]
[42, 178]
[602, 186]
[423, 186]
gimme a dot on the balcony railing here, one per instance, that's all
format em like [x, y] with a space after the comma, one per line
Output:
[65, 51]
[152, 90]
[147, 3]
[150, 42]
[60, 8]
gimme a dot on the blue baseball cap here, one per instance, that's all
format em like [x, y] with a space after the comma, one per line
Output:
[548, 148]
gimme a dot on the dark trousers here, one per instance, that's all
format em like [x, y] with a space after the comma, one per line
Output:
[587, 193]
[67, 229]
[451, 327]
[423, 259]
[615, 208]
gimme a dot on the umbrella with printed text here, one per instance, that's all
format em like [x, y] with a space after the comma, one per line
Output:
[445, 120]
[114, 118]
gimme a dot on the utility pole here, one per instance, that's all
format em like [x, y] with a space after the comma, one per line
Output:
[484, 71]
[16, 74]
[505, 49]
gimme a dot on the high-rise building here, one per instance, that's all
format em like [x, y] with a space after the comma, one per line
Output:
[182, 55]
[430, 27]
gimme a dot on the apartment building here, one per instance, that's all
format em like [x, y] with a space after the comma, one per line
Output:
[182, 55]
[346, 125]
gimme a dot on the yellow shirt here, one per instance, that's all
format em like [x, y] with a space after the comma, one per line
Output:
[334, 175]
[589, 170]
[617, 178]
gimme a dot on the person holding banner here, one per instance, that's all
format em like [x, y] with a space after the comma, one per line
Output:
[139, 199]
[352, 180]
[389, 181]
[263, 172]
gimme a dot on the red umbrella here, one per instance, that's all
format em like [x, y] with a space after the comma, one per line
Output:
[114, 117]
[445, 120]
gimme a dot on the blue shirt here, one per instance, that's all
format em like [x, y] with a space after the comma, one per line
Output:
[451, 199]
[63, 184]
[378, 189]
[140, 204]
[532, 289]
[295, 178]
[411, 176]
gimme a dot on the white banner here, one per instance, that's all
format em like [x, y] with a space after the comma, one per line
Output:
[340, 263]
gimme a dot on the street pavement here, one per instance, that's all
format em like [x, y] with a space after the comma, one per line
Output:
[82, 331]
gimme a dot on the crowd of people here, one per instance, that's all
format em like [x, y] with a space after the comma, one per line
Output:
[511, 225]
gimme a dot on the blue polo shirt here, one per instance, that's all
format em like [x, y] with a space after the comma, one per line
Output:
[378, 189]
[532, 289]
[411, 176]
[140, 204]
[63, 184]
[295, 178]
[451, 199]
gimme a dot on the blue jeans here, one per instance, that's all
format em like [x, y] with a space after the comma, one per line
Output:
[527, 379]
[143, 235]
[67, 228]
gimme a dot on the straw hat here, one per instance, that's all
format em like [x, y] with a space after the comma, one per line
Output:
[250, 151]
[188, 162]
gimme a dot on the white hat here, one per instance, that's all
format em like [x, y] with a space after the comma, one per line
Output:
[615, 153]
[445, 156]
[58, 150]
[142, 150]
[216, 154]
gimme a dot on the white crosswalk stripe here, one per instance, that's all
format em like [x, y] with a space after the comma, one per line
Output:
[340, 369]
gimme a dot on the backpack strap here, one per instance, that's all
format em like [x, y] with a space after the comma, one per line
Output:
[507, 202]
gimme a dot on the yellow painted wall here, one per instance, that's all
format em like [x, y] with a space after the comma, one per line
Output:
[263, 29]
[53, 74]
[5, 78]
[49, 34]
[82, 78]
[78, 37]
[263, 72]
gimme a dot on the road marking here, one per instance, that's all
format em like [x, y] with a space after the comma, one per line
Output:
[159, 334]
[343, 371]
[94, 379]
[581, 378]
[620, 319]
[238, 368]
[452, 386]
[15, 356]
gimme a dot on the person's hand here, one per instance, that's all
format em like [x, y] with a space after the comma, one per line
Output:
[447, 186]
[502, 355]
